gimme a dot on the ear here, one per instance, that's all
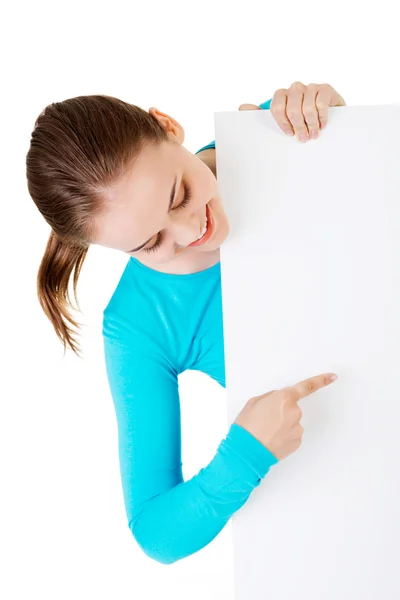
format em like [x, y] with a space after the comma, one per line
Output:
[172, 127]
[249, 107]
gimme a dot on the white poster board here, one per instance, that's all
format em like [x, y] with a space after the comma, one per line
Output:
[310, 284]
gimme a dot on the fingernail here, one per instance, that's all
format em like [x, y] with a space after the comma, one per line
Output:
[289, 132]
[333, 377]
[323, 124]
[303, 137]
[314, 135]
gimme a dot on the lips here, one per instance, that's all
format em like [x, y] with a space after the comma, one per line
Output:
[209, 232]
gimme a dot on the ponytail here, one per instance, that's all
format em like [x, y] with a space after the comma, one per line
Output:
[79, 148]
[59, 260]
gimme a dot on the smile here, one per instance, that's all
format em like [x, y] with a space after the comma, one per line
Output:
[207, 230]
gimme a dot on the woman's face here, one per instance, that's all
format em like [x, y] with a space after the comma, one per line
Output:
[139, 213]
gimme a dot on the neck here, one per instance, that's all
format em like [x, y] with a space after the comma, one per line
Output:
[189, 263]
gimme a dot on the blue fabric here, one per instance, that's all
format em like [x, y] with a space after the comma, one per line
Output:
[156, 326]
[265, 105]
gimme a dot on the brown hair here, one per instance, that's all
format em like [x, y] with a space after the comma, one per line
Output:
[78, 148]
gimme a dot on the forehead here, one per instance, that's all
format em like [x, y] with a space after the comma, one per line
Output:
[137, 201]
[152, 168]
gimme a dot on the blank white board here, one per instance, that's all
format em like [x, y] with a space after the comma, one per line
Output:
[310, 284]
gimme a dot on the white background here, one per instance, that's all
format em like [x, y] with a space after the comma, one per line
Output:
[62, 522]
[321, 271]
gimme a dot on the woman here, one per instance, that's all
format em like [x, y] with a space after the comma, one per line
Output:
[105, 172]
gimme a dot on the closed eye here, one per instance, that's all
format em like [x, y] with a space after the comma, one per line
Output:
[186, 199]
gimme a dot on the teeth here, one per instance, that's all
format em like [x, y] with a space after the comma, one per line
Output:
[202, 231]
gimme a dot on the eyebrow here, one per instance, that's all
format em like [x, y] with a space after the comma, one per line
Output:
[171, 201]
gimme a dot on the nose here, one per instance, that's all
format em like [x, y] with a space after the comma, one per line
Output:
[189, 233]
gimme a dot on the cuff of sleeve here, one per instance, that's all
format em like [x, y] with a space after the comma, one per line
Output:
[266, 105]
[255, 456]
[238, 467]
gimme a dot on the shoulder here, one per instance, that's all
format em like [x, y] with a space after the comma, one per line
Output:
[208, 158]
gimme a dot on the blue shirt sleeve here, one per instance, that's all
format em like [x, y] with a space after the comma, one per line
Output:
[170, 518]
[265, 106]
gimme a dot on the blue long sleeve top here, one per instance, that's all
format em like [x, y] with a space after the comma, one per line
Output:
[156, 326]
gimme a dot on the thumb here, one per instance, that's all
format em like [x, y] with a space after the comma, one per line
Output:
[249, 107]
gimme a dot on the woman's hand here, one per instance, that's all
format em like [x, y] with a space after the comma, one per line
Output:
[274, 418]
[302, 108]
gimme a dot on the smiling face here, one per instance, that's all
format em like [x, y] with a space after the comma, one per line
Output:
[139, 210]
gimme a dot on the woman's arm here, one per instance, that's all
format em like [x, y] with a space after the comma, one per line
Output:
[208, 157]
[170, 518]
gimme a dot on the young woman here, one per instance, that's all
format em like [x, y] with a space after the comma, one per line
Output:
[102, 171]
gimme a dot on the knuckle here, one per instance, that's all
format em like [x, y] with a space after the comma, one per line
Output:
[287, 393]
[297, 85]
[311, 386]
[294, 112]
[297, 434]
[309, 113]
[277, 108]
[288, 400]
[280, 92]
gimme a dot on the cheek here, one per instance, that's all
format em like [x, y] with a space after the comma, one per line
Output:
[207, 186]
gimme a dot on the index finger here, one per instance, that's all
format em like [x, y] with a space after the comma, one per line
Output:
[312, 384]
